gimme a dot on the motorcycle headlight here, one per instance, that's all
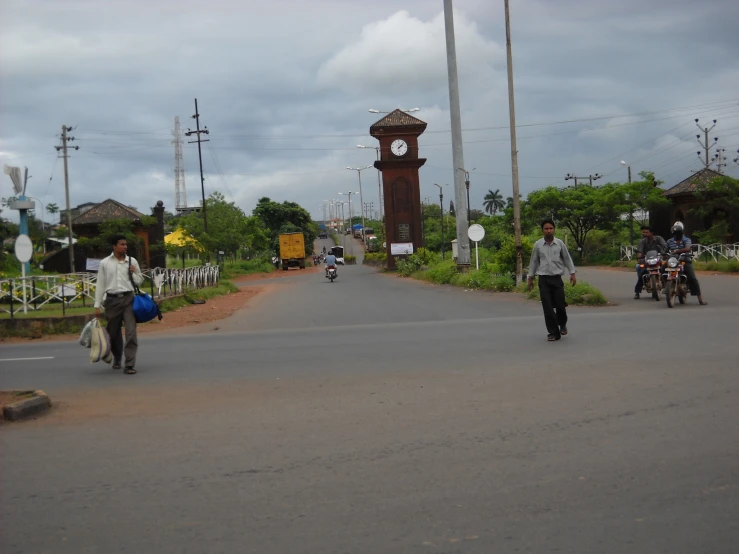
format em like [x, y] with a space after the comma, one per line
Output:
[672, 262]
[652, 261]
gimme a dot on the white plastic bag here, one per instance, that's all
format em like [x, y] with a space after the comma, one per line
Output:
[86, 334]
[100, 344]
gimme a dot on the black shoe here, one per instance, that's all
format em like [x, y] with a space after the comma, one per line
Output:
[636, 296]
[563, 331]
[552, 338]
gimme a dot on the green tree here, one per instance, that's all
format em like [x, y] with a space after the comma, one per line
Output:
[579, 209]
[275, 215]
[52, 209]
[719, 204]
[229, 229]
[493, 202]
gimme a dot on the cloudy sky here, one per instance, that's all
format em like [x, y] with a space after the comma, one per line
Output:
[285, 86]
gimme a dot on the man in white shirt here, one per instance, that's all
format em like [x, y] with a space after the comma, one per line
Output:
[115, 292]
[550, 260]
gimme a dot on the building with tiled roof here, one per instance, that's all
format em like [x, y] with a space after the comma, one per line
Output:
[106, 211]
[683, 202]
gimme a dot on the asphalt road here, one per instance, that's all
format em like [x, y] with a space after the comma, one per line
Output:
[378, 414]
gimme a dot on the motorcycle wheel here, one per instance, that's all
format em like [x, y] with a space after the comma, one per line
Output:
[669, 293]
[655, 290]
[681, 298]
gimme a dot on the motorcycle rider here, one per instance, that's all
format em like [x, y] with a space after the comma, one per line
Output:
[648, 243]
[331, 262]
[680, 244]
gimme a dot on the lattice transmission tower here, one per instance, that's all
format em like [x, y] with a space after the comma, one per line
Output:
[180, 193]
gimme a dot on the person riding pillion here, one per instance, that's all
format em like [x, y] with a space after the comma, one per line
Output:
[115, 293]
[680, 244]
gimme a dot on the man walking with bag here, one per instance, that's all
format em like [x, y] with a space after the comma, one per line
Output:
[115, 292]
[549, 260]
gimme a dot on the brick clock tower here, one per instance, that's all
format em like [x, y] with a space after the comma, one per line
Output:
[398, 134]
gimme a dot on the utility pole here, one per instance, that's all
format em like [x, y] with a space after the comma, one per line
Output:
[720, 158]
[198, 132]
[705, 144]
[590, 178]
[467, 186]
[631, 208]
[63, 148]
[514, 148]
[460, 199]
[441, 205]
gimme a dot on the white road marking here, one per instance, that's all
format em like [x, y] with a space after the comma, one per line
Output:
[24, 359]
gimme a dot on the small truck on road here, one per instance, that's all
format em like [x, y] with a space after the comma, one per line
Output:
[292, 250]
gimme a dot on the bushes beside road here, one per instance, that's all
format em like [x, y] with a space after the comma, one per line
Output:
[428, 267]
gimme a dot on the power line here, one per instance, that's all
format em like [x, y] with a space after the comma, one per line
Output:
[723, 103]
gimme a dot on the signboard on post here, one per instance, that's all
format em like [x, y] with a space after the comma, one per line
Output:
[24, 252]
[401, 248]
[476, 233]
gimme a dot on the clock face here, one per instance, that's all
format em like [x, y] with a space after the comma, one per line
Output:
[399, 147]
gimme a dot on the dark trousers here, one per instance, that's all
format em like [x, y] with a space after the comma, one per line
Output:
[552, 292]
[119, 312]
[693, 285]
[640, 271]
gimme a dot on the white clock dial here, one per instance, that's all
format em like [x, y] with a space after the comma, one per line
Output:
[399, 147]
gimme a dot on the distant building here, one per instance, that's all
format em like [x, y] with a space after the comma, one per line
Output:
[76, 212]
[682, 203]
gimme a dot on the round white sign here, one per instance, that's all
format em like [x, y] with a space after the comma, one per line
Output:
[476, 232]
[23, 248]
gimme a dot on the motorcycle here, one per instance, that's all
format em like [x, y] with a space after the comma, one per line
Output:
[651, 277]
[331, 273]
[676, 282]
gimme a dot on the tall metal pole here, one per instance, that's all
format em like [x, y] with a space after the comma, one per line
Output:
[200, 160]
[514, 149]
[66, 196]
[460, 199]
[441, 206]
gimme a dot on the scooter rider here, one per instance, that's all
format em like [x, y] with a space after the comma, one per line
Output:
[648, 243]
[680, 244]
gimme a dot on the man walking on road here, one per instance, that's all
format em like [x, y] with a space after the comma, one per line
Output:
[115, 292]
[549, 260]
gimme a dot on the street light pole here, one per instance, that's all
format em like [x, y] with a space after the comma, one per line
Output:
[349, 194]
[379, 183]
[361, 198]
[441, 205]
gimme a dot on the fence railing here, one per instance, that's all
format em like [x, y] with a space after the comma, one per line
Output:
[38, 291]
[716, 251]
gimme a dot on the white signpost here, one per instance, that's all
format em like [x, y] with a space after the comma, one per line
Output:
[23, 252]
[476, 233]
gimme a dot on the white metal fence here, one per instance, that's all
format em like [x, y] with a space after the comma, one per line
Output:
[716, 252]
[35, 292]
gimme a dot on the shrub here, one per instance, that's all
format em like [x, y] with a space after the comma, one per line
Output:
[442, 273]
[350, 259]
[573, 295]
[505, 257]
[375, 256]
[503, 283]
[408, 266]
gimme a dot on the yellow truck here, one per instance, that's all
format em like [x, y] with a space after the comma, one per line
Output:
[292, 250]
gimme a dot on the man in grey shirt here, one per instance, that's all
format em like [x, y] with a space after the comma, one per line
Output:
[549, 261]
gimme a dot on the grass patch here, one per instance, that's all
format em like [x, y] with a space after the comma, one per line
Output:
[582, 294]
[246, 267]
[49, 310]
[724, 266]
[172, 304]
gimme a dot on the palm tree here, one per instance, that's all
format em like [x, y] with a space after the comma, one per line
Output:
[493, 202]
[52, 209]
